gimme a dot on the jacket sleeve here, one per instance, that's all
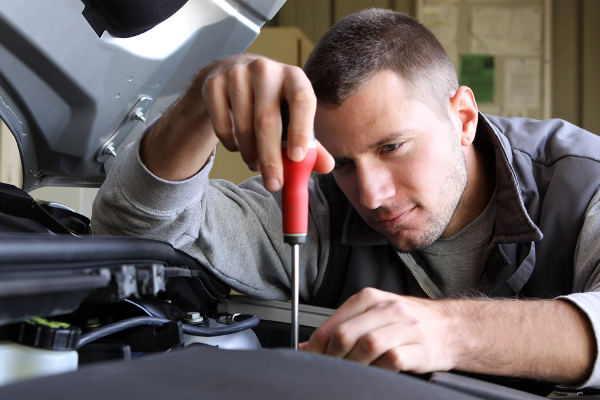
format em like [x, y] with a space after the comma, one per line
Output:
[586, 282]
[233, 230]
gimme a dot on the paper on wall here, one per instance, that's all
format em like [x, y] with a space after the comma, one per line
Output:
[522, 82]
[506, 30]
[441, 17]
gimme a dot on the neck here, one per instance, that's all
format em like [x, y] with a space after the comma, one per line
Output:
[478, 192]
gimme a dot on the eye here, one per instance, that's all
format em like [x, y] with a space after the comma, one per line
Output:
[386, 148]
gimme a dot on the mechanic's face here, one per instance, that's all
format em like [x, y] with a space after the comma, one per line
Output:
[398, 161]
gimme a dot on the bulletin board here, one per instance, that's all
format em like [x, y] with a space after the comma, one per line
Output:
[500, 49]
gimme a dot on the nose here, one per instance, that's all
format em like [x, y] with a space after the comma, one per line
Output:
[375, 184]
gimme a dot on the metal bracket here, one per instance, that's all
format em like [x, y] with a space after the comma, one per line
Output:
[140, 280]
[151, 279]
[136, 115]
[126, 282]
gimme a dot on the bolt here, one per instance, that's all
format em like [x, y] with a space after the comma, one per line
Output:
[193, 317]
[138, 115]
[109, 150]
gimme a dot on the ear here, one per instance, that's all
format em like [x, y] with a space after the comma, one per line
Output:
[463, 104]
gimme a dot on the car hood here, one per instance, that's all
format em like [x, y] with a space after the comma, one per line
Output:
[72, 92]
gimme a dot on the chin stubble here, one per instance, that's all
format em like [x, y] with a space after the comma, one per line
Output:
[438, 223]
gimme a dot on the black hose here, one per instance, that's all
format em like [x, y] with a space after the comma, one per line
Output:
[195, 330]
[116, 327]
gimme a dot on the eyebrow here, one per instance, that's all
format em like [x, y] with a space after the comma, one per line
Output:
[386, 140]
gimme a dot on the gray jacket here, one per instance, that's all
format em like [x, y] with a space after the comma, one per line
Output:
[544, 243]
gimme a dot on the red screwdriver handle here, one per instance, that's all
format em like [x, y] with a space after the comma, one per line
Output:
[294, 207]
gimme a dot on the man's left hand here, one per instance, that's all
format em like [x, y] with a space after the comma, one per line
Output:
[524, 338]
[387, 330]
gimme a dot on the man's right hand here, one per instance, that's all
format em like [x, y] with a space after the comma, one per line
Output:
[236, 100]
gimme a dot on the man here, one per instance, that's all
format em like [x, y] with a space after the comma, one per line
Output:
[427, 198]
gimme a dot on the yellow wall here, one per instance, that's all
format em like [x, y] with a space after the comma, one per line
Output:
[576, 49]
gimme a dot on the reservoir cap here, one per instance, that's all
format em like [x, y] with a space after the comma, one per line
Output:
[50, 335]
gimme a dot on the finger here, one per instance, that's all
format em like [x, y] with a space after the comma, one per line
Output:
[347, 334]
[267, 121]
[379, 328]
[302, 103]
[239, 91]
[325, 161]
[374, 343]
[214, 93]
[355, 305]
[302, 346]
[403, 358]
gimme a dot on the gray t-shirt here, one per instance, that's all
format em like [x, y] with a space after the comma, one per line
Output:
[457, 262]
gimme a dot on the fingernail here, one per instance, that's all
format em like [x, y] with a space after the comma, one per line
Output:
[296, 153]
[272, 184]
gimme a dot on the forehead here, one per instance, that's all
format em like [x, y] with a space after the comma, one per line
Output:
[381, 107]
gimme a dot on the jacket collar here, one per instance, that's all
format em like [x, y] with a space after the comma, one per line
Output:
[513, 223]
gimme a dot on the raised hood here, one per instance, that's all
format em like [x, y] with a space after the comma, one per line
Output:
[76, 80]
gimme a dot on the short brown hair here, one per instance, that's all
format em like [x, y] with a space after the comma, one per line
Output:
[374, 40]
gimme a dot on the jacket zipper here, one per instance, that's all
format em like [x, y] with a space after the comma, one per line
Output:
[422, 287]
[407, 263]
[419, 283]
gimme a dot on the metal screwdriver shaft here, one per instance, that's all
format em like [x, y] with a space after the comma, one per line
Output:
[294, 210]
[295, 295]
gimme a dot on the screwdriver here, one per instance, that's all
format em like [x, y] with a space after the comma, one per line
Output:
[294, 210]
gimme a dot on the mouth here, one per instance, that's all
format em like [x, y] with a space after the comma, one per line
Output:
[393, 221]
